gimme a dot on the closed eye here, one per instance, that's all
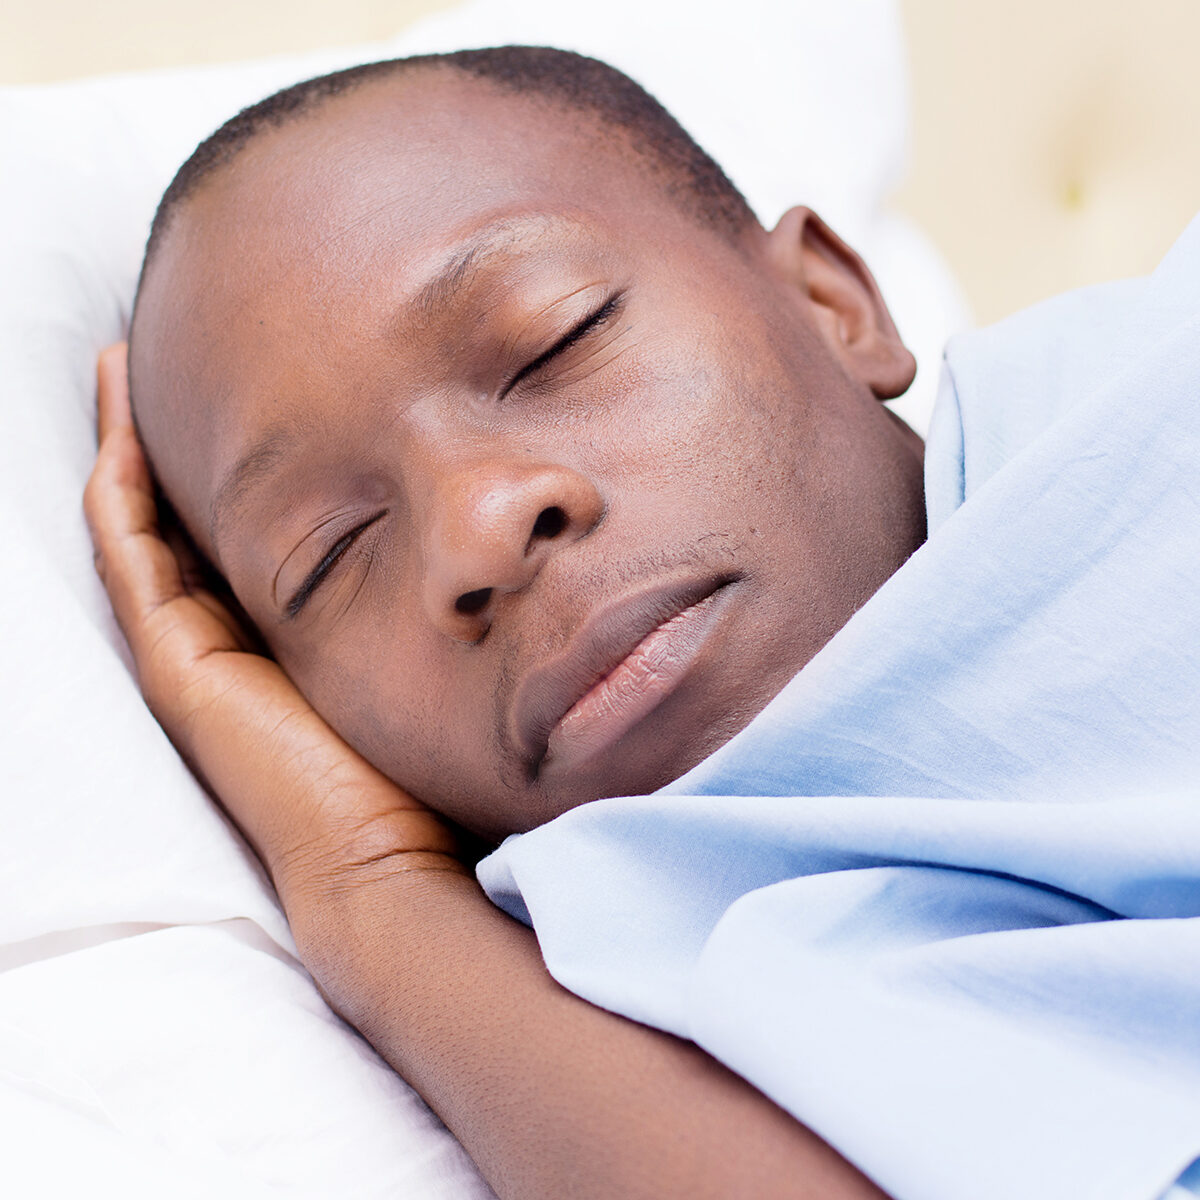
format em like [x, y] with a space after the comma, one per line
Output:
[589, 323]
[322, 570]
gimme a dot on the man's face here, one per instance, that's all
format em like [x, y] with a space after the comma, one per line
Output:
[536, 487]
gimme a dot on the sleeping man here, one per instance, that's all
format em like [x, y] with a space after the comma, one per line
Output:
[554, 496]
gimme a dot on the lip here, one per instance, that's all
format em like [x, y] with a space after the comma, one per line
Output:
[621, 665]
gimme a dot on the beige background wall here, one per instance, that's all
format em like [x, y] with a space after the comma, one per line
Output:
[43, 40]
[1054, 143]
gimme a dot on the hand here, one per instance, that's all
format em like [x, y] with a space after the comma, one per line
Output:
[319, 816]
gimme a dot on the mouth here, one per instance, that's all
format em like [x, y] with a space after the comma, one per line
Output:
[621, 665]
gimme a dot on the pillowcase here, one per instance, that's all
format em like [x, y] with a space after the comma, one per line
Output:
[153, 1017]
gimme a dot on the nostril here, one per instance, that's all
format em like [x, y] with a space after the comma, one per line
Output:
[550, 523]
[470, 604]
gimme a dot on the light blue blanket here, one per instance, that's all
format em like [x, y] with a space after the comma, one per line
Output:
[941, 899]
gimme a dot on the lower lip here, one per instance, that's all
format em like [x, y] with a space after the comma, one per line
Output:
[636, 686]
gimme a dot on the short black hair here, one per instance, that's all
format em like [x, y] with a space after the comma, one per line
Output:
[571, 80]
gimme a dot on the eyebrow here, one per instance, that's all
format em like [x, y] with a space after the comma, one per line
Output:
[263, 459]
[253, 468]
[464, 262]
[446, 284]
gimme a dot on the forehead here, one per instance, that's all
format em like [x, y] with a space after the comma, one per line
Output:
[410, 163]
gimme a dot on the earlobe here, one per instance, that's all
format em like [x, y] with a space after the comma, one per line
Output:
[847, 305]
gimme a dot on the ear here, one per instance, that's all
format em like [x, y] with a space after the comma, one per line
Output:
[845, 299]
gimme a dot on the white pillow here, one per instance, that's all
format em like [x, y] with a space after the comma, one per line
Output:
[153, 1019]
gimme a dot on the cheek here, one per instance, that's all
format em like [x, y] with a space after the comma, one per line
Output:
[427, 727]
[720, 427]
[390, 702]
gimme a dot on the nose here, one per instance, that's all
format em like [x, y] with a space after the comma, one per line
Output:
[492, 526]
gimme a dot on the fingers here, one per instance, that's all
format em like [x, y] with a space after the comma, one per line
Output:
[137, 567]
[139, 570]
[120, 451]
[112, 377]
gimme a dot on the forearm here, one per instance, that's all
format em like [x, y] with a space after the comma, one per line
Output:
[551, 1096]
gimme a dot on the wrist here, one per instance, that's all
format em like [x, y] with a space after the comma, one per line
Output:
[352, 857]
